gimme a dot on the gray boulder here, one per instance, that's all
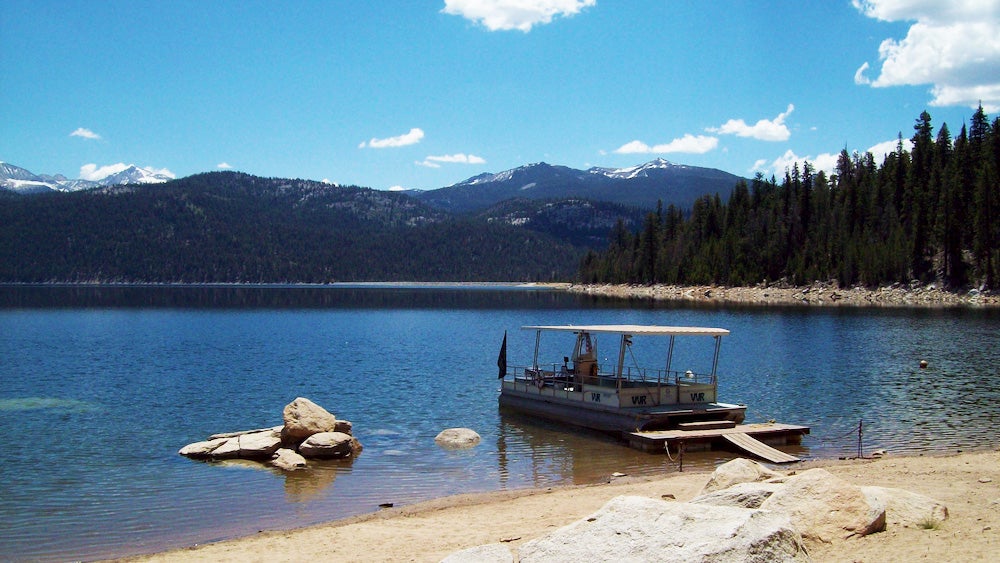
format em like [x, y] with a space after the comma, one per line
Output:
[329, 445]
[739, 470]
[824, 507]
[454, 438]
[258, 445]
[303, 418]
[644, 529]
[242, 432]
[202, 450]
[288, 460]
[741, 495]
[344, 426]
[903, 508]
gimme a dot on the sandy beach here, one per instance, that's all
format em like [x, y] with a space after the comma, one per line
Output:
[968, 483]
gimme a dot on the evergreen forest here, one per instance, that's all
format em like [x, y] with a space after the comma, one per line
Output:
[927, 213]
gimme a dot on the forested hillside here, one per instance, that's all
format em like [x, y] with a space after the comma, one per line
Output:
[927, 214]
[231, 227]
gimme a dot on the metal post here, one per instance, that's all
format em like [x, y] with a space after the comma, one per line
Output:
[715, 361]
[860, 433]
[670, 354]
[538, 338]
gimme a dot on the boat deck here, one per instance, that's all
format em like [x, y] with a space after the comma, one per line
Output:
[749, 438]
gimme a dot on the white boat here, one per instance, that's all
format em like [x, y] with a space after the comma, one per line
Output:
[620, 397]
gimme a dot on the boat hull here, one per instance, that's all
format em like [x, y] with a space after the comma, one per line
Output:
[615, 419]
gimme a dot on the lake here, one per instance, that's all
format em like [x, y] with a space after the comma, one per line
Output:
[100, 386]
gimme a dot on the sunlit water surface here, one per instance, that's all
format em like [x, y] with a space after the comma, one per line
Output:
[99, 388]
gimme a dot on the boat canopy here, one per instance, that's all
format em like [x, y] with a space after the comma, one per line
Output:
[651, 330]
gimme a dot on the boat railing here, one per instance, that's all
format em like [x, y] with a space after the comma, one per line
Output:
[635, 376]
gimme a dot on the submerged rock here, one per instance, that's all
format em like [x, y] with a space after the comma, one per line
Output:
[288, 460]
[457, 438]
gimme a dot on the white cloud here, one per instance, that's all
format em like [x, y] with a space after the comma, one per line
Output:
[503, 15]
[411, 138]
[689, 143]
[84, 133]
[223, 165]
[954, 46]
[827, 162]
[397, 189]
[763, 130]
[859, 75]
[880, 150]
[94, 172]
[459, 158]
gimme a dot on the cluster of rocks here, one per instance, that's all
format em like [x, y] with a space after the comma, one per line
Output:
[819, 293]
[309, 431]
[745, 512]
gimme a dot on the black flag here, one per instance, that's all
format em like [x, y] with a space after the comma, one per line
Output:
[502, 358]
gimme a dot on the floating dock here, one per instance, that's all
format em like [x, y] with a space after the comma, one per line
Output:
[754, 439]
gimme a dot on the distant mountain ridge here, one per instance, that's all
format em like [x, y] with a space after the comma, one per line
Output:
[21, 180]
[641, 186]
[230, 227]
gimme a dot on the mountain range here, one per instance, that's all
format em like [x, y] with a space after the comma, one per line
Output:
[641, 186]
[535, 222]
[17, 179]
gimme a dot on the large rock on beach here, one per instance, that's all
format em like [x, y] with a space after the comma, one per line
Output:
[739, 470]
[329, 445]
[456, 438]
[644, 529]
[824, 507]
[742, 495]
[303, 418]
[904, 508]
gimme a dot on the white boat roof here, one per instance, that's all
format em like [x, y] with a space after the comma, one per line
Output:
[651, 330]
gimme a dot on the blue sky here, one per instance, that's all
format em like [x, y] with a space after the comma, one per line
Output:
[423, 94]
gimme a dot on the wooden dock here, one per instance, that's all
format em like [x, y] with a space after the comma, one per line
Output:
[749, 438]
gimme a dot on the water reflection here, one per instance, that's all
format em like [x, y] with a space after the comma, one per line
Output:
[542, 453]
[312, 483]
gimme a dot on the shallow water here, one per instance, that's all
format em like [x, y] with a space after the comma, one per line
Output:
[99, 388]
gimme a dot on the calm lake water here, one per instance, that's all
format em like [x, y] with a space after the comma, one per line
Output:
[99, 388]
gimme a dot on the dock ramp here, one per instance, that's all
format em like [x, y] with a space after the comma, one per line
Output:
[757, 448]
[744, 437]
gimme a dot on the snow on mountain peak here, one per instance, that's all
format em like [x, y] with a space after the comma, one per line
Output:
[21, 180]
[637, 171]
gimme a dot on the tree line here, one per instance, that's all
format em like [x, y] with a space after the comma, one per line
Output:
[926, 213]
[227, 227]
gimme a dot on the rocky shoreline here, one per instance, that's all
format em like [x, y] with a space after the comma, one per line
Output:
[822, 294]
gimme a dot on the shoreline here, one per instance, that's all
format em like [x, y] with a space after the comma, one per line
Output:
[968, 483]
[819, 294]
